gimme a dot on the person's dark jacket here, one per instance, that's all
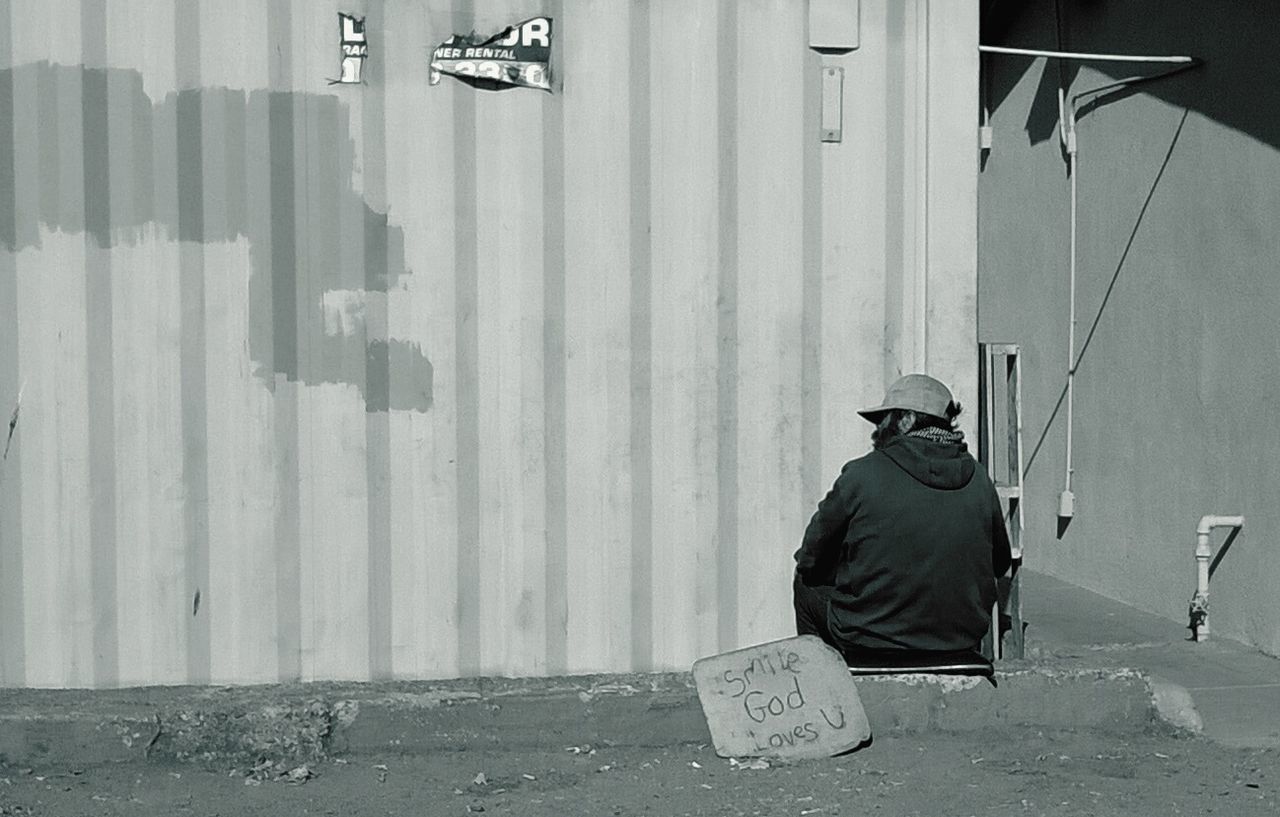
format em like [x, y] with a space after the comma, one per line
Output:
[912, 538]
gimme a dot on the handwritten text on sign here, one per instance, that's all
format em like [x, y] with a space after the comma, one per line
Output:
[789, 698]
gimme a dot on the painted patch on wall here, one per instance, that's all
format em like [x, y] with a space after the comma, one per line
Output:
[297, 333]
[519, 55]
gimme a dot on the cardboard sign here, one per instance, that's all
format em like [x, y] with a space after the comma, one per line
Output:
[792, 698]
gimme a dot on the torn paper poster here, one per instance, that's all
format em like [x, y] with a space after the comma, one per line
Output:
[355, 49]
[517, 55]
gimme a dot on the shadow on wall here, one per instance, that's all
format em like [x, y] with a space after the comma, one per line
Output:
[1236, 86]
[1083, 347]
[313, 319]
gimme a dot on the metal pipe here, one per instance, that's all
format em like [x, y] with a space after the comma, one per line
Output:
[1200, 601]
[1066, 502]
[1076, 55]
[1208, 523]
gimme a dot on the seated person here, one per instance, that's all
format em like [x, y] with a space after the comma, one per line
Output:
[898, 566]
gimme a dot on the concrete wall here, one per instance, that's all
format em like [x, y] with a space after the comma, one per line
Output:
[411, 381]
[1176, 394]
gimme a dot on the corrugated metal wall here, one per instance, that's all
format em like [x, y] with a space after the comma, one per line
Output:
[412, 381]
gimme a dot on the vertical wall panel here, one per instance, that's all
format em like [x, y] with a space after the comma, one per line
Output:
[242, 575]
[273, 187]
[192, 131]
[372, 260]
[12, 627]
[425, 381]
[728, 380]
[770, 285]
[466, 273]
[333, 555]
[554, 381]
[855, 263]
[640, 340]
[512, 471]
[424, 476]
[57, 554]
[160, 626]
[242, 585]
[55, 476]
[684, 210]
[952, 176]
[153, 607]
[598, 308]
[96, 122]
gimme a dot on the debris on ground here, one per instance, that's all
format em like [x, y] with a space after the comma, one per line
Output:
[268, 770]
[757, 764]
[299, 774]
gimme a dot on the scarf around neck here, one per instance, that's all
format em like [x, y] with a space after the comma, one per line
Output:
[937, 435]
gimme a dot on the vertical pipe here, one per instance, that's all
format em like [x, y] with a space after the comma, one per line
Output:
[1071, 321]
[1066, 502]
[1200, 601]
[1202, 584]
[1017, 370]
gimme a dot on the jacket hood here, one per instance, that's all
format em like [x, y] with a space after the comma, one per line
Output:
[947, 466]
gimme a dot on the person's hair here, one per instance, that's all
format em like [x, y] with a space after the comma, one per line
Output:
[888, 429]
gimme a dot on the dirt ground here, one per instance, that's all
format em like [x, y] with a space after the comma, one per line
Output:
[1008, 772]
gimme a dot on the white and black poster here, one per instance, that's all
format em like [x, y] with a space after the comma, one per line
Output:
[519, 55]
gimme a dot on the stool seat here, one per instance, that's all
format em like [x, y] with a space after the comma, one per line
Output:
[898, 662]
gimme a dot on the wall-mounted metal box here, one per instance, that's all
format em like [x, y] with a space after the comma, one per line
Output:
[833, 24]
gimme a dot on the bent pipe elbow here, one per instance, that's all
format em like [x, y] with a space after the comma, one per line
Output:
[1209, 522]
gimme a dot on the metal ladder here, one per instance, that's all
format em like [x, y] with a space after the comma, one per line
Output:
[1000, 381]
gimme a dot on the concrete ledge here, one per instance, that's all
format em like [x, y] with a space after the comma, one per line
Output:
[311, 721]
